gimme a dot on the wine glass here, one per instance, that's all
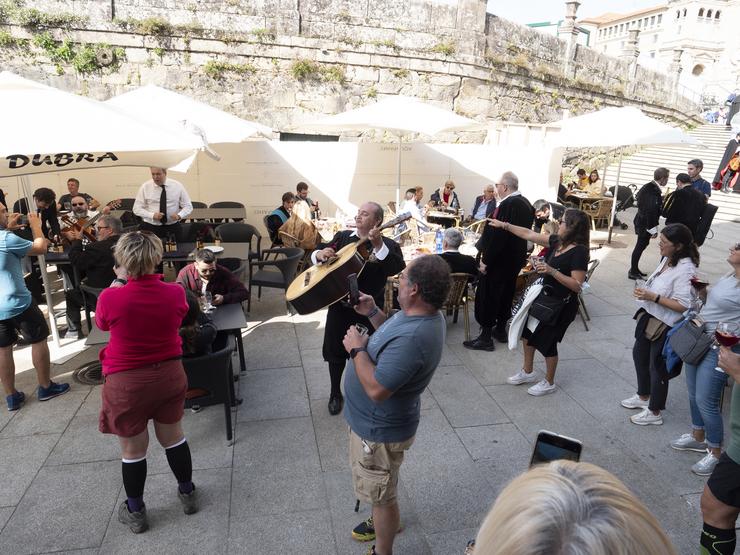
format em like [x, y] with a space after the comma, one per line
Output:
[699, 281]
[727, 334]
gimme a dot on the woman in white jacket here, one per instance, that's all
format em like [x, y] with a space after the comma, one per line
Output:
[663, 299]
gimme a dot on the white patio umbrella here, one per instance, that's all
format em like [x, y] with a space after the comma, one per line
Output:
[161, 105]
[617, 128]
[49, 130]
[399, 115]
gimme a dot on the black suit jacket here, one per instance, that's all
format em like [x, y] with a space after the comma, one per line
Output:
[461, 263]
[49, 220]
[95, 261]
[502, 252]
[649, 203]
[489, 209]
[685, 206]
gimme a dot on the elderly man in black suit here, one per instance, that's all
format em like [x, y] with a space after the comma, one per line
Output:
[502, 257]
[459, 263]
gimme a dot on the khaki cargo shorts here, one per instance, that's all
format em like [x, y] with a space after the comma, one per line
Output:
[375, 468]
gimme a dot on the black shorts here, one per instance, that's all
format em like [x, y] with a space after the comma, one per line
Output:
[31, 323]
[724, 483]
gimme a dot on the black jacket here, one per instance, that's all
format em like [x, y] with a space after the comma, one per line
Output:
[95, 261]
[502, 252]
[461, 263]
[649, 203]
[437, 199]
[49, 220]
[684, 206]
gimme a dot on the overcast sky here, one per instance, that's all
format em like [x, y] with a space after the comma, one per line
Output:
[533, 11]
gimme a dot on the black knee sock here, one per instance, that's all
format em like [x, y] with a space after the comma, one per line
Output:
[716, 541]
[178, 457]
[134, 478]
[336, 369]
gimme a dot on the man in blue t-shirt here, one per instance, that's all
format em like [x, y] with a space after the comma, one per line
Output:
[18, 311]
[385, 377]
[694, 168]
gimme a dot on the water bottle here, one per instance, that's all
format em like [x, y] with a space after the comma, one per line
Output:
[438, 242]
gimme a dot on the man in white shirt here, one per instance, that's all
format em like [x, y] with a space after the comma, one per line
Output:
[162, 202]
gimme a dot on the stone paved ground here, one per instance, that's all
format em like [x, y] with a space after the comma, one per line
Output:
[284, 486]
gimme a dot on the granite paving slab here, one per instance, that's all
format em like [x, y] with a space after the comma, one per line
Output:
[331, 437]
[462, 399]
[271, 345]
[22, 457]
[289, 533]
[82, 442]
[52, 416]
[273, 393]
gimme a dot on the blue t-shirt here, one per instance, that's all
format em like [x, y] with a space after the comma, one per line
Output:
[406, 351]
[703, 186]
[14, 296]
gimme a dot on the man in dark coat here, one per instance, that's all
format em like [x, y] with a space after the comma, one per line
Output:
[502, 257]
[649, 203]
[386, 260]
[459, 263]
[685, 205]
[94, 262]
[485, 204]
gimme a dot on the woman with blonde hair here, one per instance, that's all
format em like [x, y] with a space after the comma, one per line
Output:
[144, 376]
[571, 509]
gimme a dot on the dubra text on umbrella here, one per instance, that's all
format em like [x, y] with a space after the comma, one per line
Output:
[59, 160]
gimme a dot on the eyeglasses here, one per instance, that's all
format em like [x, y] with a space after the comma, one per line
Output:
[99, 227]
[736, 247]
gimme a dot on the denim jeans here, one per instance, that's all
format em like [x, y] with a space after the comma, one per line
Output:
[705, 387]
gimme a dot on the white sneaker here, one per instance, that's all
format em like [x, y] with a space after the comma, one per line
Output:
[635, 402]
[522, 377]
[687, 443]
[542, 388]
[646, 417]
[706, 465]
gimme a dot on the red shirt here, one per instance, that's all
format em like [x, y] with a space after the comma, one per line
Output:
[143, 318]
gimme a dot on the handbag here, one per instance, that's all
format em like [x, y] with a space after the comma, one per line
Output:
[654, 328]
[547, 307]
[690, 342]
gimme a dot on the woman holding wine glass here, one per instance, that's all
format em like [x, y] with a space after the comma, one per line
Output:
[721, 314]
[665, 296]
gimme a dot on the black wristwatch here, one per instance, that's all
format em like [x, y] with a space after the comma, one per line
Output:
[354, 352]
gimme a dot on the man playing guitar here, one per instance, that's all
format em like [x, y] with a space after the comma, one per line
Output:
[77, 219]
[386, 260]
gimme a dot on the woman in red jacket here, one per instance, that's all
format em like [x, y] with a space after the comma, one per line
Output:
[144, 376]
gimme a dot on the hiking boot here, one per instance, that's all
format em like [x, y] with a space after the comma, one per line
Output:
[54, 390]
[189, 501]
[136, 522]
[15, 400]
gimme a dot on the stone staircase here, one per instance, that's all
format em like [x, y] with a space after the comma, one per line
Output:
[638, 168]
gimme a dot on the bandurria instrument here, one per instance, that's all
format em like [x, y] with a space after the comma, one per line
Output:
[326, 283]
[84, 224]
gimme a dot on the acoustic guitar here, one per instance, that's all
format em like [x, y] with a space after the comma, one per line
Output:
[326, 283]
[84, 224]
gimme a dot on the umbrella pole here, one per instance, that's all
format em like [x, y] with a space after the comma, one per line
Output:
[42, 266]
[398, 172]
[614, 198]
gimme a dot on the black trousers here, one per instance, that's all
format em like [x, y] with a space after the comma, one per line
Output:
[652, 377]
[164, 231]
[493, 299]
[643, 240]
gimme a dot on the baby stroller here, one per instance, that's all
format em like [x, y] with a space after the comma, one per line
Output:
[625, 199]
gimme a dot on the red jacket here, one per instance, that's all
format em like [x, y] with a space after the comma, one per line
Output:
[223, 282]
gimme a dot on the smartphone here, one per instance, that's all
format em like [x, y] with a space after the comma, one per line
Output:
[23, 220]
[354, 289]
[551, 446]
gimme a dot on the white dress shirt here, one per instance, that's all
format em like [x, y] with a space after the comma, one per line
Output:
[147, 201]
[674, 283]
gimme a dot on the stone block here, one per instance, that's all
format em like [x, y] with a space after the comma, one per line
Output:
[46, 417]
[276, 446]
[331, 437]
[82, 442]
[270, 394]
[22, 458]
[271, 345]
[294, 532]
[463, 400]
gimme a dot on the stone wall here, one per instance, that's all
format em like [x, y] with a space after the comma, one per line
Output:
[282, 62]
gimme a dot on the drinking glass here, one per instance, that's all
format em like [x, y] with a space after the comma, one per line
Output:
[640, 284]
[727, 334]
[699, 281]
[208, 298]
[361, 329]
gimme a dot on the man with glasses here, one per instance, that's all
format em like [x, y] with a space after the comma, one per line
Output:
[94, 263]
[204, 274]
[447, 197]
[80, 214]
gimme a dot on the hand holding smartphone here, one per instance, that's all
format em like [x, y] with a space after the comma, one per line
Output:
[354, 290]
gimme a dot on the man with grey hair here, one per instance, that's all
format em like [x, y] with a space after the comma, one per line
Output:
[485, 204]
[459, 263]
[94, 262]
[502, 256]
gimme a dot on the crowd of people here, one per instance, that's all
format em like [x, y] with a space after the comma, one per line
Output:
[387, 359]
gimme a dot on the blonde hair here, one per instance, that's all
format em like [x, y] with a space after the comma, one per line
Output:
[570, 508]
[140, 252]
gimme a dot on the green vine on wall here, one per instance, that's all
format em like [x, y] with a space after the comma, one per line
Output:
[216, 69]
[308, 70]
[85, 58]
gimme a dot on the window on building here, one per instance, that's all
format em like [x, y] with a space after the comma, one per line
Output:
[709, 14]
[660, 18]
[652, 21]
[701, 12]
[639, 24]
[621, 28]
[716, 15]
[621, 45]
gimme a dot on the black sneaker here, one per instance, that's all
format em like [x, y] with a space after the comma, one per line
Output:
[480, 344]
[136, 522]
[634, 275]
[364, 531]
[189, 501]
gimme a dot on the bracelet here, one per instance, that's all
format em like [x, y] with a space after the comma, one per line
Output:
[657, 300]
[373, 312]
[120, 280]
